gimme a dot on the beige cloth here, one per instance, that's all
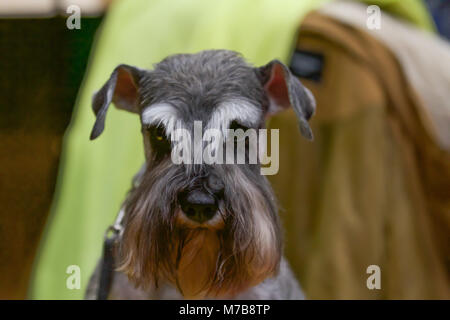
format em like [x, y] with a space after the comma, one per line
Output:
[373, 187]
[423, 56]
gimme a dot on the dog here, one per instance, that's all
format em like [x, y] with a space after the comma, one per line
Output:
[197, 230]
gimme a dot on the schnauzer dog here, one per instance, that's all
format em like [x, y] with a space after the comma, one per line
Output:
[198, 230]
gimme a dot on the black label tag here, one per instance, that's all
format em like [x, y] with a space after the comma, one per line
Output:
[307, 65]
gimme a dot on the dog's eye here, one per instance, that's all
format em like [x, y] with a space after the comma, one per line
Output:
[235, 126]
[158, 139]
[159, 134]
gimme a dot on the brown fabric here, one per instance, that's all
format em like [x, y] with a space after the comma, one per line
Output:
[27, 182]
[38, 86]
[373, 187]
[419, 54]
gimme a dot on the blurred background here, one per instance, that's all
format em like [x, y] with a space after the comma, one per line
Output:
[372, 189]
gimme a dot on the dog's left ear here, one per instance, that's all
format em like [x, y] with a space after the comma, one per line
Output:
[121, 89]
[284, 90]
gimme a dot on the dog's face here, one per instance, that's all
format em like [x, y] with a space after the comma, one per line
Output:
[209, 229]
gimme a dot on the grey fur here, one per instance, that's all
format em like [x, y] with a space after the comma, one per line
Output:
[151, 250]
[197, 83]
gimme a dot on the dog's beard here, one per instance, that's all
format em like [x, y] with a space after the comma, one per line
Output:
[200, 262]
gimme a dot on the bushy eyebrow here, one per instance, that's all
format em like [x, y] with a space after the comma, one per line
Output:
[234, 110]
[162, 114]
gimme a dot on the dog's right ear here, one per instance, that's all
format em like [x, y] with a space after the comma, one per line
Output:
[122, 89]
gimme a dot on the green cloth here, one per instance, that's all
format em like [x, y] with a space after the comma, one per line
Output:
[95, 175]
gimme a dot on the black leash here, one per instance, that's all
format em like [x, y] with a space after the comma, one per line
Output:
[112, 236]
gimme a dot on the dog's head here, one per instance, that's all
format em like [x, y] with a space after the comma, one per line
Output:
[210, 229]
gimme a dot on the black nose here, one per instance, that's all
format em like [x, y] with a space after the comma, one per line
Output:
[198, 205]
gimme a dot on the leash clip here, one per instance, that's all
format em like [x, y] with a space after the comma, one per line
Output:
[112, 234]
[116, 229]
